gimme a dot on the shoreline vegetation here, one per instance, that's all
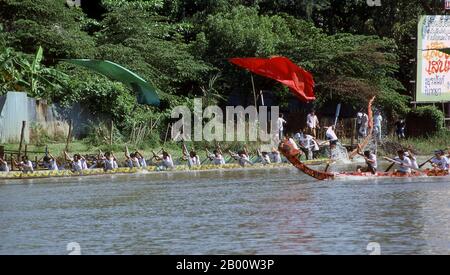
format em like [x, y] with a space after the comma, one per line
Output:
[424, 146]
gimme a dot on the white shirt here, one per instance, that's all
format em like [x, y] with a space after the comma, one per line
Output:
[309, 143]
[51, 165]
[331, 135]
[133, 162]
[84, 165]
[377, 120]
[27, 166]
[359, 116]
[4, 167]
[167, 162]
[407, 165]
[218, 160]
[276, 157]
[413, 161]
[294, 144]
[374, 158]
[110, 164]
[142, 162]
[244, 159]
[365, 120]
[265, 159]
[442, 163]
[280, 124]
[194, 161]
[312, 121]
[77, 166]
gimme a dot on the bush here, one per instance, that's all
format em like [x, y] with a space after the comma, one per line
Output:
[424, 121]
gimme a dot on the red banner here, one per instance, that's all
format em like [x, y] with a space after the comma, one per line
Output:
[283, 70]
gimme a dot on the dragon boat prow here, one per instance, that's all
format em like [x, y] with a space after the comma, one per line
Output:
[291, 154]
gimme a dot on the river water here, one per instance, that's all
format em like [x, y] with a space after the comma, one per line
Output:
[276, 211]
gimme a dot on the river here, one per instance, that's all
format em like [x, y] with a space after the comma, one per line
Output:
[254, 211]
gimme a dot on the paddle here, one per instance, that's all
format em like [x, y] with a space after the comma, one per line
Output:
[399, 163]
[390, 167]
[420, 166]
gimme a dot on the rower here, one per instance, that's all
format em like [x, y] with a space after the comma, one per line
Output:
[50, 162]
[276, 156]
[216, 157]
[141, 159]
[110, 161]
[3, 164]
[331, 136]
[308, 143]
[440, 161]
[76, 163]
[132, 160]
[25, 165]
[265, 158]
[242, 157]
[165, 159]
[403, 163]
[371, 161]
[413, 158]
[194, 159]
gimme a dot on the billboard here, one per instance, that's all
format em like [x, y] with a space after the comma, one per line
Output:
[433, 66]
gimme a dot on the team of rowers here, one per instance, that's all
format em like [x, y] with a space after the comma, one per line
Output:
[406, 162]
[162, 159]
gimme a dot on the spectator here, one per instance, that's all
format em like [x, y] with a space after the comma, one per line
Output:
[280, 126]
[312, 122]
[378, 119]
[363, 126]
[400, 128]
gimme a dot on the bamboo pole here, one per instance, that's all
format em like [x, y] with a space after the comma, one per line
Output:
[167, 132]
[22, 134]
[254, 91]
[69, 134]
[353, 133]
[111, 133]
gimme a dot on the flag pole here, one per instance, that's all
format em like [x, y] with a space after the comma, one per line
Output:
[254, 91]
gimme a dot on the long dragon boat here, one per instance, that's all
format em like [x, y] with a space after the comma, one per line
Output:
[150, 169]
[288, 150]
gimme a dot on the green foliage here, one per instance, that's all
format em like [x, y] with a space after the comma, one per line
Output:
[182, 47]
[425, 121]
[19, 72]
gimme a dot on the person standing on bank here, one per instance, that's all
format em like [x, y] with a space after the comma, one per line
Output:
[377, 120]
[280, 126]
[312, 122]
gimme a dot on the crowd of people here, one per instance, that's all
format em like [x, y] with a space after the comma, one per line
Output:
[406, 162]
[162, 159]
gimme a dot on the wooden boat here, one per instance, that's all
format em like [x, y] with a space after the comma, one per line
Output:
[288, 150]
[367, 139]
[150, 169]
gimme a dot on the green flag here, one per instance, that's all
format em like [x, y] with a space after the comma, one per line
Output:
[145, 92]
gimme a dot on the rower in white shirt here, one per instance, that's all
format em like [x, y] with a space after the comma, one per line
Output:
[440, 161]
[403, 164]
[25, 165]
[3, 164]
[276, 155]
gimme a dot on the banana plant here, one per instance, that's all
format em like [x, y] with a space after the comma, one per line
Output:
[39, 80]
[9, 74]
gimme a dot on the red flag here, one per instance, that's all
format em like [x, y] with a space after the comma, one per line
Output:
[283, 70]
